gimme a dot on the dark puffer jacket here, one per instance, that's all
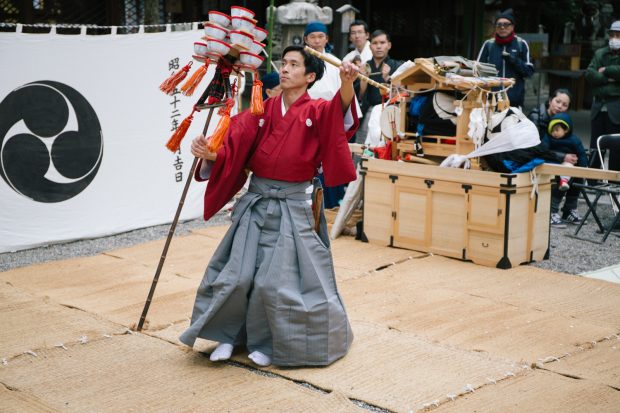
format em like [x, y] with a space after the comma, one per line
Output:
[541, 118]
[570, 143]
[517, 64]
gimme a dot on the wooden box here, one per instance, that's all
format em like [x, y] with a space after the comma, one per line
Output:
[489, 218]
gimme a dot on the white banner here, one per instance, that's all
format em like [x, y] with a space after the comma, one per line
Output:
[82, 132]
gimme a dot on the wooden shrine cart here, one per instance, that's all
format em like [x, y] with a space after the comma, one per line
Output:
[490, 218]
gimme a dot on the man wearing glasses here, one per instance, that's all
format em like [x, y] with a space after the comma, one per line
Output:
[510, 54]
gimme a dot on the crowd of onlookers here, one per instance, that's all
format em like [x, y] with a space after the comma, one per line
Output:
[510, 54]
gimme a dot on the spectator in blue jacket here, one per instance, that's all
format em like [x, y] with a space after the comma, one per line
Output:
[510, 54]
[568, 150]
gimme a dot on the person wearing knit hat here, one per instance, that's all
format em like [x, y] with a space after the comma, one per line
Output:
[315, 26]
[562, 123]
[510, 54]
[569, 151]
[271, 85]
[507, 15]
[315, 36]
[603, 76]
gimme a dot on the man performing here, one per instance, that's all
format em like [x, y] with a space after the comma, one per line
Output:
[270, 284]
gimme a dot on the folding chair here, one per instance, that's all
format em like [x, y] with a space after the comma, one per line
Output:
[604, 143]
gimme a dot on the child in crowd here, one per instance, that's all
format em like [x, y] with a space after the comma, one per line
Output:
[569, 151]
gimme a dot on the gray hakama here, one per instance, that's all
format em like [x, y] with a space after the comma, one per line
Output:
[270, 284]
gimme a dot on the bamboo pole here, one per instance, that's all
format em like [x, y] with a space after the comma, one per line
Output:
[173, 226]
[329, 59]
[271, 16]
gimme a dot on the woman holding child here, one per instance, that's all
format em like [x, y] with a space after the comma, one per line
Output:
[559, 102]
[556, 133]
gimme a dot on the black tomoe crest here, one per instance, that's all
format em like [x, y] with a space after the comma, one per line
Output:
[51, 144]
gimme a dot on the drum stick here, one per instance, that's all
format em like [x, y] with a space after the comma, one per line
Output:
[338, 63]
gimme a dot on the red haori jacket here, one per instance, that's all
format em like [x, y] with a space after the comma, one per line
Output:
[287, 148]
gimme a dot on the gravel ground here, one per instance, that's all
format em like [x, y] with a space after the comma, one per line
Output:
[567, 254]
[89, 247]
[575, 256]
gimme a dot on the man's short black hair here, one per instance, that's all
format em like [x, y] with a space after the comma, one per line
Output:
[312, 63]
[359, 23]
[378, 33]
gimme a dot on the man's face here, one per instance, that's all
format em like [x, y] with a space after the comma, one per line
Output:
[614, 34]
[380, 46]
[358, 36]
[317, 41]
[292, 72]
[503, 27]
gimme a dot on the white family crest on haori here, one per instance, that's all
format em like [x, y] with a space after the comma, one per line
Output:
[308, 122]
[261, 122]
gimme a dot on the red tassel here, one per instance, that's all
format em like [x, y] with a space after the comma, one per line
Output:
[384, 152]
[256, 101]
[172, 82]
[216, 140]
[174, 143]
[190, 85]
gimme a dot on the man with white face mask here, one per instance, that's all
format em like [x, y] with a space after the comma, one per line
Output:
[603, 75]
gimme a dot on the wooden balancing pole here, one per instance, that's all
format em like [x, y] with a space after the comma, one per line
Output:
[173, 226]
[199, 104]
[334, 62]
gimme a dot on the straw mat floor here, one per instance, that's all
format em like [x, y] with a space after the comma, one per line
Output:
[431, 334]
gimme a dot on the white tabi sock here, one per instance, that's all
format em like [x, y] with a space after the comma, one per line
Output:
[222, 352]
[259, 358]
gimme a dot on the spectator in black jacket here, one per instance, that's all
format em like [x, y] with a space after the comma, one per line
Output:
[510, 54]
[379, 69]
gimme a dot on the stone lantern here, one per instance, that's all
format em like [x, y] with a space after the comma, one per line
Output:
[294, 16]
